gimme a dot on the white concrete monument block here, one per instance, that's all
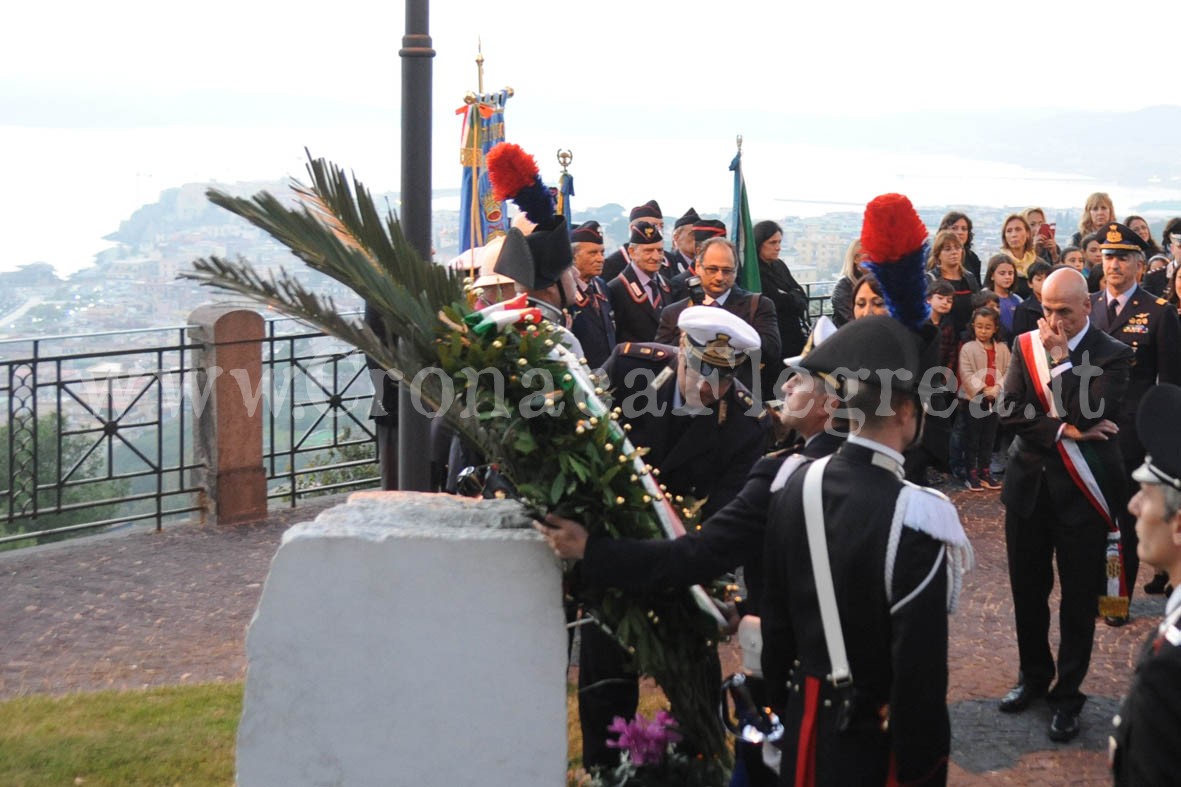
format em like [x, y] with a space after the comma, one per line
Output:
[407, 639]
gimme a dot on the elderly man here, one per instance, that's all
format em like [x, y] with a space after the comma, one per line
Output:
[1144, 746]
[594, 323]
[680, 258]
[1065, 384]
[1148, 325]
[682, 404]
[619, 259]
[640, 292]
[717, 265]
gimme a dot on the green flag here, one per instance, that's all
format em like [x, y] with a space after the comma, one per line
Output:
[743, 235]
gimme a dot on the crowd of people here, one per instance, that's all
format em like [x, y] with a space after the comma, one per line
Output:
[1043, 357]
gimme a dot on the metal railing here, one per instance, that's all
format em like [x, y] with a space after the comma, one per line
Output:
[94, 437]
[317, 437]
[819, 297]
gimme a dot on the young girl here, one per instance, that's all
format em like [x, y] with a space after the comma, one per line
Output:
[983, 363]
[1000, 279]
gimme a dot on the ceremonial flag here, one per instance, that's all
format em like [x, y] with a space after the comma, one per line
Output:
[743, 234]
[481, 216]
[565, 192]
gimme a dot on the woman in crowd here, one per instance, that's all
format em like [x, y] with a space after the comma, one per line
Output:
[1017, 243]
[1045, 245]
[1001, 277]
[1097, 212]
[1139, 226]
[791, 302]
[842, 291]
[947, 262]
[867, 298]
[961, 226]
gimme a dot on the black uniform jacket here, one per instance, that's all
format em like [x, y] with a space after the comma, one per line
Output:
[1025, 317]
[1090, 391]
[1148, 325]
[730, 538]
[1148, 726]
[758, 311]
[706, 455]
[594, 322]
[636, 319]
[894, 620]
[614, 263]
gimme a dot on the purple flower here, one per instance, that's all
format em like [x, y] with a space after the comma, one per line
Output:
[645, 741]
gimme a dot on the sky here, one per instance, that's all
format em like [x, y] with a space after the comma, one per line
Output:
[102, 106]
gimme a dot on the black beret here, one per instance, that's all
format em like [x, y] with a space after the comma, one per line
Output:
[708, 228]
[536, 260]
[1156, 421]
[644, 233]
[587, 232]
[649, 210]
[1117, 237]
[690, 218]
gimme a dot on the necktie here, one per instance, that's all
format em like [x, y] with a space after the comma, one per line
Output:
[1112, 311]
[655, 287]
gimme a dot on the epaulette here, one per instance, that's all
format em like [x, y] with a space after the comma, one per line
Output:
[646, 350]
[932, 512]
[1161, 302]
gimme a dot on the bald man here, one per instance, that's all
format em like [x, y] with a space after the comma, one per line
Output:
[1061, 394]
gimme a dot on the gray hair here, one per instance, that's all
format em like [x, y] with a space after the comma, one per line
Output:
[1172, 500]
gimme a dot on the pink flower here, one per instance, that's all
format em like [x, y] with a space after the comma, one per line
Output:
[645, 741]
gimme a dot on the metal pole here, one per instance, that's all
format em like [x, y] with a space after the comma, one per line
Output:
[414, 471]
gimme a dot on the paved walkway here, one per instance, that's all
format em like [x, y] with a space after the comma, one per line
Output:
[148, 609]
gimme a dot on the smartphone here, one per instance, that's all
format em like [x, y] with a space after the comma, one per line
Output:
[1046, 230]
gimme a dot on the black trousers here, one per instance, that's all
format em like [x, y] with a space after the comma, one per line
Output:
[1133, 454]
[1079, 546]
[606, 689]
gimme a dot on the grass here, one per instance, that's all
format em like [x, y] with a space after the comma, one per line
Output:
[178, 735]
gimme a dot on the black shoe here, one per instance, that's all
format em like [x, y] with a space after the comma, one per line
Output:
[1157, 584]
[1064, 726]
[1019, 698]
[1115, 621]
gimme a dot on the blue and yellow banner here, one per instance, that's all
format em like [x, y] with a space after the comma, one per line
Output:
[482, 217]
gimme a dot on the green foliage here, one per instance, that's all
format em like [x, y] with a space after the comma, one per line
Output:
[48, 472]
[175, 735]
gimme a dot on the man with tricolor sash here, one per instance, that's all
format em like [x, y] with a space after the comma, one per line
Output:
[1063, 485]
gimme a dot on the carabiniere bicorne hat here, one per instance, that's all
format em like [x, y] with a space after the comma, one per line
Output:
[536, 260]
[878, 350]
[1117, 237]
[643, 233]
[1156, 421]
[715, 338]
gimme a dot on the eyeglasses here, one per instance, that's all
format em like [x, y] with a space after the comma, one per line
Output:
[713, 270]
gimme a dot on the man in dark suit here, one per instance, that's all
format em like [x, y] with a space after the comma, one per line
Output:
[717, 267]
[593, 323]
[1148, 325]
[1063, 387]
[1144, 745]
[699, 233]
[640, 292]
[619, 259]
[685, 406]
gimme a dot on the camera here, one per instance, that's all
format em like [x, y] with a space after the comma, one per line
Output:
[696, 291]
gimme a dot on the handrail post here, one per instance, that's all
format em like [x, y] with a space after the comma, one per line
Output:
[228, 412]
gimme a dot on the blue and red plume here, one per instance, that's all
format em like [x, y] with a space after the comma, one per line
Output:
[894, 242]
[515, 176]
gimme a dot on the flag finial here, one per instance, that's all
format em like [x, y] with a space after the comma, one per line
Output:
[564, 158]
[738, 140]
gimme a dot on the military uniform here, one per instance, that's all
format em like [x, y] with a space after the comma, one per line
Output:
[896, 553]
[636, 316]
[594, 322]
[1149, 326]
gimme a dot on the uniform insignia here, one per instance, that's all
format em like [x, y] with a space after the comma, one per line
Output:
[1113, 234]
[1161, 302]
[722, 408]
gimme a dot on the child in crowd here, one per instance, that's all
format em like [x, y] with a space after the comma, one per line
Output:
[1000, 278]
[983, 363]
[937, 431]
[1072, 256]
[1026, 315]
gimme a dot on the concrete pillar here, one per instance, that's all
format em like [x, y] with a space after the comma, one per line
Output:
[228, 411]
[407, 639]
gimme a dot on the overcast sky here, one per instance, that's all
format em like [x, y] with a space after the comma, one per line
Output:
[105, 104]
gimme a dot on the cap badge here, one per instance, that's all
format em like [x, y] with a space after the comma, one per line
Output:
[1113, 234]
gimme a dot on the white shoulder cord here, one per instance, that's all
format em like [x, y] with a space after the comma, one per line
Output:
[830, 618]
